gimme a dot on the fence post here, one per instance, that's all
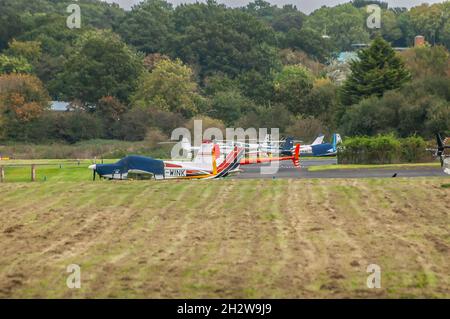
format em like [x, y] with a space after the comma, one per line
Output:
[2, 174]
[33, 172]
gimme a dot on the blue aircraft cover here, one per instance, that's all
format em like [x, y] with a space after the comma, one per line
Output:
[132, 162]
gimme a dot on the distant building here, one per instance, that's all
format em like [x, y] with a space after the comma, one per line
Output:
[59, 106]
[346, 56]
[419, 41]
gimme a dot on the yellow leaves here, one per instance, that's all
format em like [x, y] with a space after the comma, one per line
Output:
[427, 61]
[320, 82]
[24, 111]
[28, 111]
[30, 50]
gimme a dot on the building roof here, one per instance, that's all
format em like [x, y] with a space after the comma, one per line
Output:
[347, 56]
[59, 106]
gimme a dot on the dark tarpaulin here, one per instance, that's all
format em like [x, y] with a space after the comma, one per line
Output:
[133, 162]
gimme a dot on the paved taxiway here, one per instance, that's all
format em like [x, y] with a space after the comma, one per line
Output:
[287, 170]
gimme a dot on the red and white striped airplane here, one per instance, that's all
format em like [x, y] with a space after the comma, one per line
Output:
[209, 163]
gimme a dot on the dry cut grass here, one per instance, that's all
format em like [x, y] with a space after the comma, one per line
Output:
[226, 238]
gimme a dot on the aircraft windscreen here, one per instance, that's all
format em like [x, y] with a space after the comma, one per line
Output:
[122, 162]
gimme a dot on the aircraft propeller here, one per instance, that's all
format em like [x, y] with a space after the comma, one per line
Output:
[94, 171]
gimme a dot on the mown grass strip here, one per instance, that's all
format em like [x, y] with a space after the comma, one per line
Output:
[372, 166]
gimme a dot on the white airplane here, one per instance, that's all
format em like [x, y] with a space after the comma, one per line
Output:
[186, 145]
[307, 149]
[267, 146]
[226, 146]
[440, 152]
[209, 163]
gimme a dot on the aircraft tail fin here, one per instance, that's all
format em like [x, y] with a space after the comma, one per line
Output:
[319, 140]
[336, 141]
[288, 144]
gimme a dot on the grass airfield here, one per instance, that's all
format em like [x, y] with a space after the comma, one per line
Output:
[49, 170]
[64, 170]
[224, 238]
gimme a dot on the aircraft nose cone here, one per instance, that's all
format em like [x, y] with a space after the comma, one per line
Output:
[93, 166]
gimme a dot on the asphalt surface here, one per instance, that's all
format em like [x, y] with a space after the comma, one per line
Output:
[287, 170]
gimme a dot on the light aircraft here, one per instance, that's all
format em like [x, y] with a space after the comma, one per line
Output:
[440, 152]
[307, 149]
[224, 145]
[267, 146]
[327, 149]
[186, 145]
[318, 147]
[208, 164]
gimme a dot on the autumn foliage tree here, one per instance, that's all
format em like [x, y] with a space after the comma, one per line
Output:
[23, 98]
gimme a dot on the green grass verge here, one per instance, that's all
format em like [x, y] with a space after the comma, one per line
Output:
[48, 170]
[370, 166]
[317, 158]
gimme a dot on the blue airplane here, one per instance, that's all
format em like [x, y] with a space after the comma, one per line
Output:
[327, 149]
[440, 152]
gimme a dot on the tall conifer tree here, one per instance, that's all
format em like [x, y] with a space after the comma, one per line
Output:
[378, 69]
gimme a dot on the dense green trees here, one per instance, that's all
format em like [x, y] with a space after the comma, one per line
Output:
[11, 24]
[230, 105]
[155, 67]
[310, 41]
[432, 21]
[344, 25]
[217, 39]
[412, 110]
[292, 85]
[148, 27]
[100, 65]
[168, 87]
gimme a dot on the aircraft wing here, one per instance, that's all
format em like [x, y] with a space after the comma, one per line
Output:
[295, 158]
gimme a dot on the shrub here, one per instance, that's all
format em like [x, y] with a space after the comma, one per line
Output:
[77, 126]
[413, 149]
[133, 125]
[382, 149]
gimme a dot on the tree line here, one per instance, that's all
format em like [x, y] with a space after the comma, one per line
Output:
[128, 74]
